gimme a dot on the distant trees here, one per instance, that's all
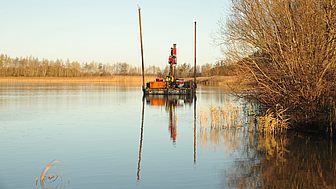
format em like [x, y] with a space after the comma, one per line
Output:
[221, 67]
[184, 70]
[153, 70]
[33, 67]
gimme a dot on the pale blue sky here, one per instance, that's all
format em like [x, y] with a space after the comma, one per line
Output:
[107, 31]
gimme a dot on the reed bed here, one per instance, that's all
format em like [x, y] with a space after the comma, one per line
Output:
[232, 124]
[222, 126]
[273, 122]
[203, 117]
[228, 116]
[272, 129]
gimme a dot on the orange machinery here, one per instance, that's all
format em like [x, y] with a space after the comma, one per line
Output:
[161, 83]
[158, 84]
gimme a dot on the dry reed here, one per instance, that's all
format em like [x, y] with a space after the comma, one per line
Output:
[51, 176]
[203, 117]
[271, 133]
[215, 116]
[225, 117]
[227, 127]
[220, 126]
[273, 122]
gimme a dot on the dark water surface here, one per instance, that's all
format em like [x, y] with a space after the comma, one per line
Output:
[105, 136]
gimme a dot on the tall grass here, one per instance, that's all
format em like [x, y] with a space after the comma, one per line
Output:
[271, 129]
[231, 125]
[273, 122]
[222, 126]
[228, 116]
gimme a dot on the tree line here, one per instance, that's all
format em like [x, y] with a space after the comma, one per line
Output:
[34, 67]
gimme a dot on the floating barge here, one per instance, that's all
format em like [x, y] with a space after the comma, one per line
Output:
[169, 91]
[169, 85]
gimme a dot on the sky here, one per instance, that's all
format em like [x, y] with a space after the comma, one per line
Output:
[107, 31]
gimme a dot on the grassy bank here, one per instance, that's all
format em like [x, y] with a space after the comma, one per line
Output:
[228, 82]
[132, 80]
[222, 81]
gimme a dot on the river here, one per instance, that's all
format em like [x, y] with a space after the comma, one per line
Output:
[107, 136]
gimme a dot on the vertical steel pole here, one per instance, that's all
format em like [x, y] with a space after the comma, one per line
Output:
[195, 55]
[142, 57]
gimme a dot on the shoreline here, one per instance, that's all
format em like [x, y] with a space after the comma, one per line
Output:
[227, 82]
[135, 80]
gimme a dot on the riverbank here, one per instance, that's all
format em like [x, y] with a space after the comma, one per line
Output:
[227, 82]
[131, 80]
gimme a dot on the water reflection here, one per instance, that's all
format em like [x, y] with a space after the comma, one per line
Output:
[308, 162]
[226, 126]
[141, 138]
[259, 161]
[195, 132]
[40, 117]
[265, 161]
[171, 103]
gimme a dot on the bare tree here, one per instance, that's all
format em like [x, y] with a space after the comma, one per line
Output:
[288, 48]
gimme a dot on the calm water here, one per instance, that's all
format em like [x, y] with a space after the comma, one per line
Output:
[104, 136]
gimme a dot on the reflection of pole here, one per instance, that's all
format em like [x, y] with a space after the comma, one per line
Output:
[142, 57]
[195, 56]
[195, 130]
[172, 121]
[141, 137]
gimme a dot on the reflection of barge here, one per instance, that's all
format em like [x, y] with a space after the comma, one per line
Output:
[170, 103]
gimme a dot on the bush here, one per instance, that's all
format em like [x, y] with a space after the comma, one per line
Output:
[288, 49]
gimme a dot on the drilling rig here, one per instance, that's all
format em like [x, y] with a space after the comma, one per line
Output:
[170, 85]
